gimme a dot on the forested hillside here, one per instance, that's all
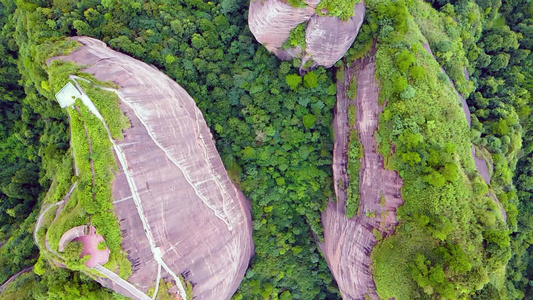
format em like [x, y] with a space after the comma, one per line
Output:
[272, 128]
[477, 42]
[26, 142]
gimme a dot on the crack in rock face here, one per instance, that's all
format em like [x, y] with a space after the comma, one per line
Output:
[327, 38]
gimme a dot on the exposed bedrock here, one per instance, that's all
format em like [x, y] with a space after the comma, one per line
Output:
[327, 38]
[271, 21]
[198, 219]
[348, 242]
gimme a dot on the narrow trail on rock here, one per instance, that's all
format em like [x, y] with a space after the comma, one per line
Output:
[40, 219]
[349, 242]
[122, 283]
[199, 223]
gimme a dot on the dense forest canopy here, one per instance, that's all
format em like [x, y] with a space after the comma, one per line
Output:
[272, 127]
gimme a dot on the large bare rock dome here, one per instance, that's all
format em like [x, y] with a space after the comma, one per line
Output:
[178, 210]
[327, 38]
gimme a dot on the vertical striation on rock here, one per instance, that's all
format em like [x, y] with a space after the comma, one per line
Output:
[327, 37]
[349, 242]
[198, 219]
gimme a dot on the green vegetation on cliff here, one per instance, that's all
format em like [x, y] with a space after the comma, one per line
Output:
[296, 37]
[343, 9]
[355, 153]
[107, 104]
[497, 39]
[272, 129]
[451, 240]
[275, 141]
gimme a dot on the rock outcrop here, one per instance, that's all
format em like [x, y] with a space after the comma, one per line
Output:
[327, 38]
[179, 212]
[349, 241]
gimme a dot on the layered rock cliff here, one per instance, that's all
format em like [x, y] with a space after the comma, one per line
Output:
[327, 38]
[349, 241]
[179, 212]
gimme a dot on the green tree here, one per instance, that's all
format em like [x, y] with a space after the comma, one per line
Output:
[293, 81]
[311, 80]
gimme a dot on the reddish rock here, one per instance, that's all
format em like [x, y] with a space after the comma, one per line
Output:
[90, 247]
[87, 236]
[271, 21]
[198, 219]
[327, 38]
[349, 241]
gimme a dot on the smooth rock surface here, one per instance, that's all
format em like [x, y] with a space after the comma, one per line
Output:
[327, 38]
[271, 21]
[198, 219]
[349, 241]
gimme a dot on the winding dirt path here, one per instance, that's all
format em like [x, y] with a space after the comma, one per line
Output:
[349, 242]
[40, 219]
[12, 278]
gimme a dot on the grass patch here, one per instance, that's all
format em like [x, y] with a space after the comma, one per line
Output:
[101, 246]
[108, 105]
[296, 3]
[343, 9]
[441, 231]
[62, 180]
[352, 112]
[188, 288]
[352, 89]
[164, 286]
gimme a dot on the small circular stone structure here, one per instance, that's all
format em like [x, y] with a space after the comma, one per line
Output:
[86, 235]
